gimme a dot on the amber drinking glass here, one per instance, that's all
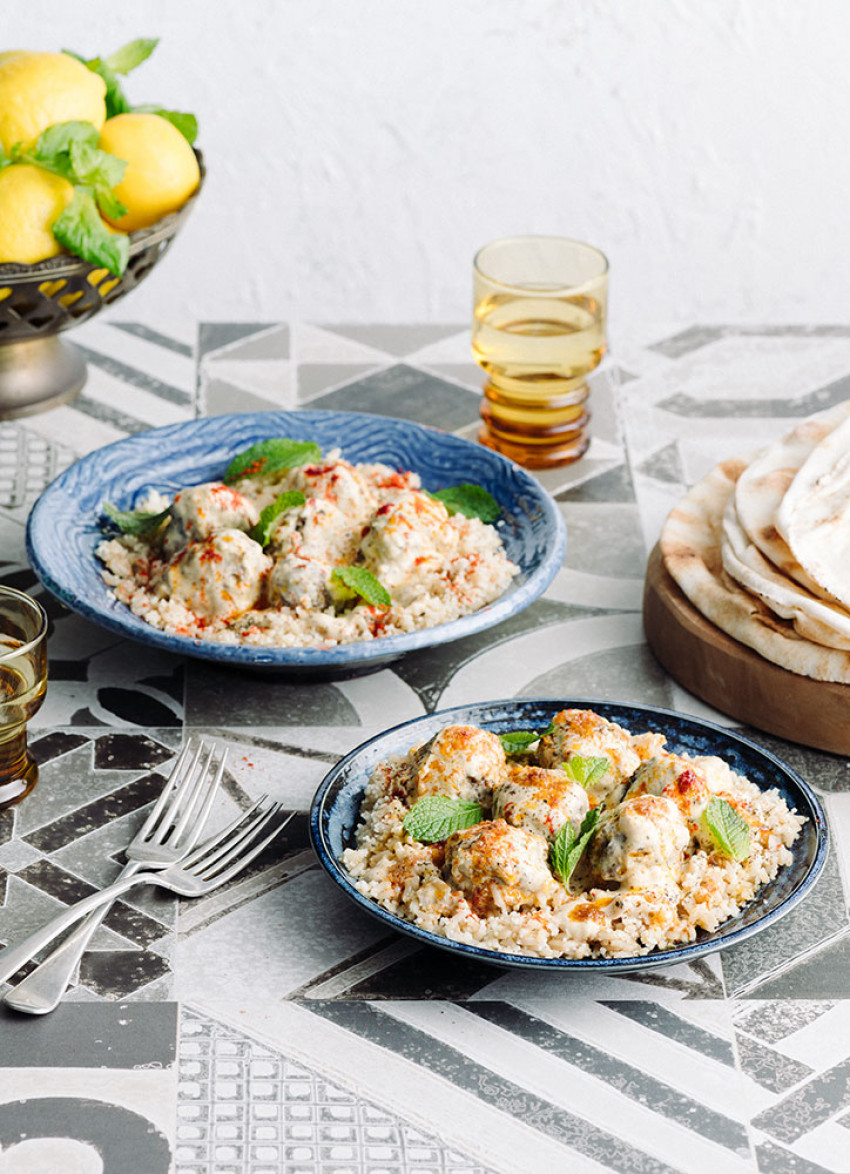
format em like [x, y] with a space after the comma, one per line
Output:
[538, 331]
[23, 681]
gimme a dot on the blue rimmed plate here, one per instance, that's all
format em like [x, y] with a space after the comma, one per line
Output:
[336, 807]
[63, 528]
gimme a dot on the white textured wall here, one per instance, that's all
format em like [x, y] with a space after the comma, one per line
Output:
[360, 150]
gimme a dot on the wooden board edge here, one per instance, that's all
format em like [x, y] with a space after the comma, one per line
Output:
[735, 679]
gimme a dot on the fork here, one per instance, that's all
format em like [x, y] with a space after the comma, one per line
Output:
[217, 861]
[170, 832]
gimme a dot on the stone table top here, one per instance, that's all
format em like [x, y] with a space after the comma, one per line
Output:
[274, 1027]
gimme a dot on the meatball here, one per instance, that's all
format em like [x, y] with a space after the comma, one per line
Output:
[540, 800]
[584, 733]
[307, 544]
[407, 537]
[299, 583]
[676, 778]
[198, 512]
[462, 762]
[498, 867]
[640, 844]
[217, 578]
[340, 484]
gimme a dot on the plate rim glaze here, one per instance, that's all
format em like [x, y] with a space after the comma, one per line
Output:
[41, 532]
[322, 807]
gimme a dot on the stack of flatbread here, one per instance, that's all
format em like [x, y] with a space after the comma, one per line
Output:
[762, 548]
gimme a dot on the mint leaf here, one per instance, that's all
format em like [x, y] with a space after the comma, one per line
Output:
[264, 528]
[473, 501]
[54, 145]
[81, 230]
[100, 171]
[729, 830]
[435, 817]
[272, 456]
[131, 55]
[586, 771]
[364, 583]
[515, 741]
[135, 521]
[187, 124]
[567, 847]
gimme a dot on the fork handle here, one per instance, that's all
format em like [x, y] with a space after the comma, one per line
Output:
[13, 957]
[42, 990]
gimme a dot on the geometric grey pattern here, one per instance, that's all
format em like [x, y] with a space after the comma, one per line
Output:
[247, 1108]
[311, 1040]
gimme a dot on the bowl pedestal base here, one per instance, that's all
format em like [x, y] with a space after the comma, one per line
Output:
[37, 374]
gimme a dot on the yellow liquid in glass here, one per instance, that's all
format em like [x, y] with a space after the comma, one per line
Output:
[537, 352]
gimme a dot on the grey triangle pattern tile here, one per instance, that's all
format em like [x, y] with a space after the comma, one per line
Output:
[408, 394]
[467, 374]
[398, 340]
[315, 378]
[212, 336]
[221, 396]
[265, 344]
[664, 465]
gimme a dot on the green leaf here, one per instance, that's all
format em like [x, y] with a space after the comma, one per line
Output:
[81, 230]
[436, 817]
[364, 583]
[131, 55]
[586, 771]
[729, 830]
[187, 124]
[264, 528]
[135, 521]
[54, 145]
[272, 456]
[5, 160]
[100, 171]
[516, 741]
[473, 501]
[567, 847]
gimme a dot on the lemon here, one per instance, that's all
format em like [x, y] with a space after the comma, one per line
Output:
[30, 201]
[162, 171]
[38, 89]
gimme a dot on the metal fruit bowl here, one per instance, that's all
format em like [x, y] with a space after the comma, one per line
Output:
[38, 370]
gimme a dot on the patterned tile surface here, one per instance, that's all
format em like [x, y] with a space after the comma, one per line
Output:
[271, 1027]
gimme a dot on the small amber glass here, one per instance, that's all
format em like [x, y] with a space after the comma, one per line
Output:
[538, 331]
[23, 681]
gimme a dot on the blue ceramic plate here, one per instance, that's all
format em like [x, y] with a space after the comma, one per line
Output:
[63, 528]
[335, 809]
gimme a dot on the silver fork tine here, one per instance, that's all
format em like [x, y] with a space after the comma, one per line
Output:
[167, 792]
[212, 783]
[215, 861]
[246, 857]
[192, 797]
[220, 837]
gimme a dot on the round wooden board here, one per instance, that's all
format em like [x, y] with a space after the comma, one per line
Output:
[734, 678]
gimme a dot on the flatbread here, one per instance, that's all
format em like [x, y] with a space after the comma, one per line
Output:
[763, 485]
[814, 618]
[814, 515]
[691, 550]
